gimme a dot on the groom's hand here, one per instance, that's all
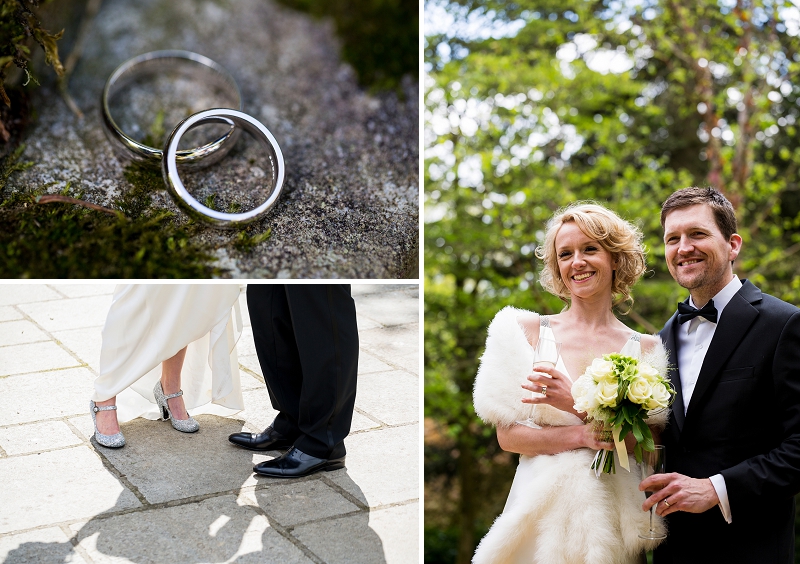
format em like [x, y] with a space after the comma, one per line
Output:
[681, 493]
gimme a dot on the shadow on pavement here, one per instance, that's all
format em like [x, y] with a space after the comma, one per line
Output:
[281, 521]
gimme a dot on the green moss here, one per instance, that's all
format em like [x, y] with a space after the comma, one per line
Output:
[245, 242]
[69, 241]
[380, 37]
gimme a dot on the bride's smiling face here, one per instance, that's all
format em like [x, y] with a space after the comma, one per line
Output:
[586, 268]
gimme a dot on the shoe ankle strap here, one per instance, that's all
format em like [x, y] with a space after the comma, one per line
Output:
[178, 394]
[104, 408]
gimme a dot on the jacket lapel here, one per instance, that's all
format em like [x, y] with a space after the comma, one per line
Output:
[735, 321]
[670, 343]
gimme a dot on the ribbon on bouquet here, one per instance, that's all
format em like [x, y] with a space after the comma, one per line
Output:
[622, 452]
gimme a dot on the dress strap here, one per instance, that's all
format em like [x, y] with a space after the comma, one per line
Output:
[544, 321]
[636, 337]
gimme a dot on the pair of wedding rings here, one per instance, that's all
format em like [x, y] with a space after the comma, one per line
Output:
[200, 68]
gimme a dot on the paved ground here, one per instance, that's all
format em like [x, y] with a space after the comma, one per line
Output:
[170, 497]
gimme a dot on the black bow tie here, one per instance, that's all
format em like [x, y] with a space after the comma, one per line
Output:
[687, 312]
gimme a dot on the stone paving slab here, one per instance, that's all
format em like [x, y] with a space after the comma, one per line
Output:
[83, 290]
[38, 546]
[56, 486]
[372, 538]
[15, 294]
[19, 332]
[370, 363]
[35, 437]
[212, 530]
[70, 314]
[8, 313]
[385, 465]
[34, 357]
[23, 398]
[392, 397]
[400, 343]
[297, 502]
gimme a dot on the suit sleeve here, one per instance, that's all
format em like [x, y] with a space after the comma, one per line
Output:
[775, 474]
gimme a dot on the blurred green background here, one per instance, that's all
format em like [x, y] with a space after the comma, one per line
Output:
[531, 105]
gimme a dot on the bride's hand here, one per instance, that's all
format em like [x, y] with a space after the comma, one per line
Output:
[559, 389]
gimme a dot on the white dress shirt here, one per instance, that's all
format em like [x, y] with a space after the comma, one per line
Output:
[694, 337]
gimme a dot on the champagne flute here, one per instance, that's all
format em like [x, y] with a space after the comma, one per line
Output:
[652, 463]
[546, 354]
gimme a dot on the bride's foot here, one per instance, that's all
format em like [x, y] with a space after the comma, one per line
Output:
[166, 402]
[107, 423]
[104, 433]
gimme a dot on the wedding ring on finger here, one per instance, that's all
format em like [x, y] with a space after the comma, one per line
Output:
[666, 503]
[544, 391]
[196, 68]
[182, 197]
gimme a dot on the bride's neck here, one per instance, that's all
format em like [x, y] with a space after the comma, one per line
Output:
[590, 315]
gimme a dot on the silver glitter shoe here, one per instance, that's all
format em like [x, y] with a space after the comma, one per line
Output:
[111, 441]
[182, 425]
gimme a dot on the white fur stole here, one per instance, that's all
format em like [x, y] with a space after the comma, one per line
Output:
[558, 511]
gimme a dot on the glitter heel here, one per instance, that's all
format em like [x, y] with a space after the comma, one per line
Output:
[182, 425]
[111, 441]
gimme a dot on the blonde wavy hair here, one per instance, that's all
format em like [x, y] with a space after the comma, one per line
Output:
[620, 238]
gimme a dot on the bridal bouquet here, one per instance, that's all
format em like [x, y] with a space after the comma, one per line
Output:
[619, 392]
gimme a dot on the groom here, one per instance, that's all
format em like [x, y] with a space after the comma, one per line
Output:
[733, 438]
[306, 339]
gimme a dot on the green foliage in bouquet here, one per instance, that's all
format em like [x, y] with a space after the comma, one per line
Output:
[18, 26]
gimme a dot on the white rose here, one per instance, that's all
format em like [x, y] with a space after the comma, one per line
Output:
[606, 393]
[648, 373]
[659, 398]
[584, 394]
[639, 391]
[601, 370]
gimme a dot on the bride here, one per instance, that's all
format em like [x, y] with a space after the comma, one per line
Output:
[558, 511]
[159, 339]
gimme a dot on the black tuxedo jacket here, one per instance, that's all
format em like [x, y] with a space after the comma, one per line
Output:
[743, 421]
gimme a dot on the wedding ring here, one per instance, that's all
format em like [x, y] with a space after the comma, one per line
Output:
[666, 503]
[194, 66]
[169, 167]
[544, 391]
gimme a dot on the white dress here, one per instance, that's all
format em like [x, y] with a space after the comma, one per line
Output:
[558, 511]
[150, 323]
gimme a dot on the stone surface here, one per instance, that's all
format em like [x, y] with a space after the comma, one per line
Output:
[18, 332]
[44, 395]
[83, 290]
[35, 437]
[297, 502]
[8, 313]
[213, 530]
[31, 497]
[40, 545]
[392, 397]
[389, 535]
[156, 459]
[15, 294]
[399, 459]
[398, 343]
[70, 314]
[350, 203]
[16, 359]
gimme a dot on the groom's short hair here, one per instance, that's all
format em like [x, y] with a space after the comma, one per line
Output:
[723, 211]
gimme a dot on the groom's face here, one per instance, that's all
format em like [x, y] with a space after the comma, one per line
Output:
[698, 255]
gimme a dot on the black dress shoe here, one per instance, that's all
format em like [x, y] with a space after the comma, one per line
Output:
[270, 439]
[296, 464]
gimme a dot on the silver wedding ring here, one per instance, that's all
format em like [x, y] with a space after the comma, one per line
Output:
[200, 68]
[182, 197]
[194, 66]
